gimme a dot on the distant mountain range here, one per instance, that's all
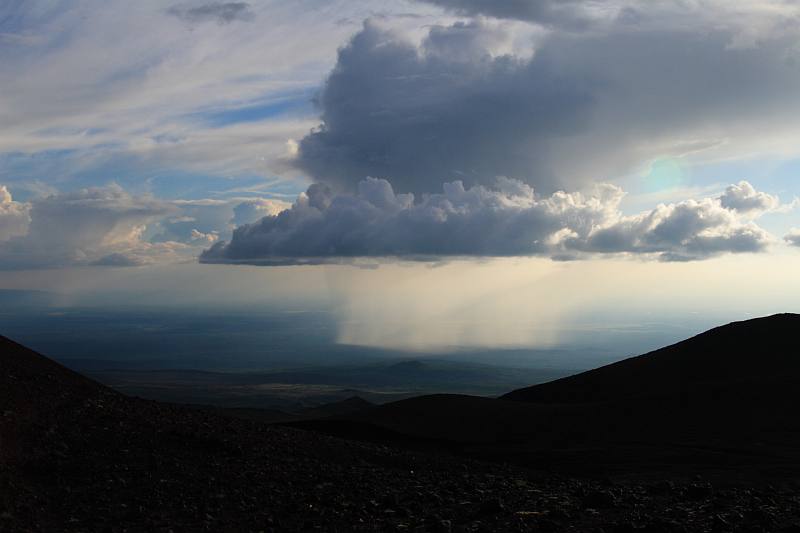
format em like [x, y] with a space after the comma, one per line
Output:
[310, 386]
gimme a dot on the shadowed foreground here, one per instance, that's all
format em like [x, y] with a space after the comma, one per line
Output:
[77, 456]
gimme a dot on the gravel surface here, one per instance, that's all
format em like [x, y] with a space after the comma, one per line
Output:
[120, 464]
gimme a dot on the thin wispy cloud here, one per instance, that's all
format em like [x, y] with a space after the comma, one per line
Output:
[135, 87]
[220, 12]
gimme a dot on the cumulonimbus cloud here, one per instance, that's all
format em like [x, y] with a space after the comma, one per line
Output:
[582, 107]
[508, 219]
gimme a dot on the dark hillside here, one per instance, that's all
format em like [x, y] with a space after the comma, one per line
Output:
[753, 351]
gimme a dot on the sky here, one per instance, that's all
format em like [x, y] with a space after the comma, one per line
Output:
[432, 173]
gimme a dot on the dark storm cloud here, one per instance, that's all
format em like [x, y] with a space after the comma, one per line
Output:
[220, 12]
[586, 107]
[422, 117]
[506, 220]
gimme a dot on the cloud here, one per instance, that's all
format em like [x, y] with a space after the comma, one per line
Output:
[220, 12]
[207, 219]
[251, 210]
[793, 237]
[589, 15]
[119, 260]
[419, 117]
[743, 197]
[684, 231]
[506, 220]
[602, 90]
[193, 218]
[108, 226]
[582, 107]
[142, 106]
[14, 216]
[98, 225]
[204, 237]
[560, 12]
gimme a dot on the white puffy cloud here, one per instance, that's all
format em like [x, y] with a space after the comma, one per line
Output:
[108, 226]
[683, 231]
[98, 225]
[744, 198]
[508, 219]
[204, 237]
[793, 237]
[253, 209]
[14, 217]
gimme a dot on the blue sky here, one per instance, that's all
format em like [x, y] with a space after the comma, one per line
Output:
[412, 133]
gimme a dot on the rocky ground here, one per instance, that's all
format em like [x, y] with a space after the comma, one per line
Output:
[145, 466]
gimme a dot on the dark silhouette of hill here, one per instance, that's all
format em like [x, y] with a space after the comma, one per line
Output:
[34, 391]
[724, 398]
[753, 351]
[351, 405]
